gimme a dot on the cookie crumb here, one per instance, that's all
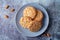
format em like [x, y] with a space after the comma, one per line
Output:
[12, 10]
[6, 16]
[7, 6]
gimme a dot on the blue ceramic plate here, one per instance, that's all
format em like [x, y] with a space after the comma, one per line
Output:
[26, 32]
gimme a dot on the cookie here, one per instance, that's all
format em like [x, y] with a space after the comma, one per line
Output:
[29, 11]
[25, 22]
[39, 16]
[35, 26]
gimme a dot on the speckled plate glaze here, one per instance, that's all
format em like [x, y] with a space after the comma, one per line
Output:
[26, 32]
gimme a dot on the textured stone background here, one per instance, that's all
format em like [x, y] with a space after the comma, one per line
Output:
[8, 29]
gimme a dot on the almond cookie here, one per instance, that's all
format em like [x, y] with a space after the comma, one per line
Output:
[35, 26]
[29, 11]
[25, 21]
[39, 16]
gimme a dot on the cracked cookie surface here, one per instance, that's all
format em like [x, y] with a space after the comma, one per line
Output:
[35, 26]
[25, 22]
[39, 16]
[29, 11]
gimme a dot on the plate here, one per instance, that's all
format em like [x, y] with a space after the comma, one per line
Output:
[26, 32]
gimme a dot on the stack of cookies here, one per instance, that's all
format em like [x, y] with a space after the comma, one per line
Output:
[32, 19]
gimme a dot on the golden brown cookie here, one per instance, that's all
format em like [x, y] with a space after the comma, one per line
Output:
[39, 16]
[35, 26]
[29, 11]
[25, 21]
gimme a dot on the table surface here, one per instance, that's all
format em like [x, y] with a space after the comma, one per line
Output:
[8, 29]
